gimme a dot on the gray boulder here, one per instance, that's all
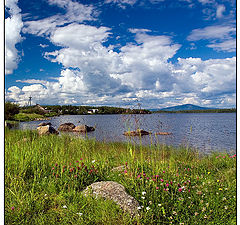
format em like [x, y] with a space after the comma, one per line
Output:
[42, 130]
[66, 127]
[44, 124]
[116, 192]
[83, 129]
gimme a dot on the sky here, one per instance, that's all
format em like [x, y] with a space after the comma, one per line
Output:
[123, 53]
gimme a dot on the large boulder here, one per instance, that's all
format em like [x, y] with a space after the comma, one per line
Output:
[44, 124]
[116, 192]
[46, 130]
[138, 132]
[66, 127]
[83, 129]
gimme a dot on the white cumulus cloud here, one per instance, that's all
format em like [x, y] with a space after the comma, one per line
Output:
[13, 26]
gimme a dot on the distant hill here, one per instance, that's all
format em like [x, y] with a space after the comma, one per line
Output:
[185, 107]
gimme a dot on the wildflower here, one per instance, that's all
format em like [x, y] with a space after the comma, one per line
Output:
[162, 180]
[225, 207]
[224, 199]
[157, 176]
[171, 182]
[150, 202]
[154, 180]
[77, 161]
[203, 209]
[205, 216]
[147, 208]
[143, 197]
[220, 189]
[196, 213]
[143, 193]
[181, 223]
[81, 159]
[180, 189]
[56, 164]
[138, 176]
[12, 208]
[45, 195]
[217, 180]
[139, 207]
[209, 172]
[125, 171]
[165, 189]
[53, 168]
[157, 188]
[159, 204]
[163, 171]
[64, 206]
[80, 214]
[147, 178]
[93, 161]
[174, 213]
[167, 184]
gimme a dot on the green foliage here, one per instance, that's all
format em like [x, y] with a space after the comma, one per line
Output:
[10, 110]
[27, 117]
[44, 176]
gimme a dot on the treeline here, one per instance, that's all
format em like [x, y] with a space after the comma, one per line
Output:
[233, 110]
[84, 110]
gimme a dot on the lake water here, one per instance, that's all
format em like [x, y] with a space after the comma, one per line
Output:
[205, 131]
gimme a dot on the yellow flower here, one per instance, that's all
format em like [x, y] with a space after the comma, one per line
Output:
[220, 189]
[217, 180]
[209, 172]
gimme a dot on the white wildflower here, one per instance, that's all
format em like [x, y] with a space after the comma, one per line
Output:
[80, 214]
[147, 208]
[143, 193]
[64, 206]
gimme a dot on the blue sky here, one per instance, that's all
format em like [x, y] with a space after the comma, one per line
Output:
[157, 53]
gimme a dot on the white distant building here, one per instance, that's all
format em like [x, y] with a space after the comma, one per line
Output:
[91, 111]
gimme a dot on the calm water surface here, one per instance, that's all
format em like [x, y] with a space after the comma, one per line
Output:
[205, 131]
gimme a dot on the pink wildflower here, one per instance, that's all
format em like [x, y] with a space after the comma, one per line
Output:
[157, 188]
[163, 171]
[12, 208]
[167, 185]
[147, 178]
[180, 189]
[162, 180]
[125, 171]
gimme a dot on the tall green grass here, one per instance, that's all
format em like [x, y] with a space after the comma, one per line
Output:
[44, 177]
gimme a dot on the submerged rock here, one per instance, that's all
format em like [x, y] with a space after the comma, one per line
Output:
[163, 133]
[46, 130]
[66, 127]
[116, 192]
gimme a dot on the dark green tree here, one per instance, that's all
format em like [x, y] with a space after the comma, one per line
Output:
[10, 110]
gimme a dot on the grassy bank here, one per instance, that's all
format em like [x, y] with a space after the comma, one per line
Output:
[44, 177]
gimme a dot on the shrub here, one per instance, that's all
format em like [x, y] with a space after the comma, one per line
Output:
[10, 110]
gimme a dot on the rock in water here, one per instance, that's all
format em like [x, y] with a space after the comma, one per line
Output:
[66, 127]
[46, 130]
[138, 132]
[116, 192]
[83, 128]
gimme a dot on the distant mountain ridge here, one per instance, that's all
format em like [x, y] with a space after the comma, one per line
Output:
[184, 107]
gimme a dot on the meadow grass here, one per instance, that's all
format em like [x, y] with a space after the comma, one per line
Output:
[44, 177]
